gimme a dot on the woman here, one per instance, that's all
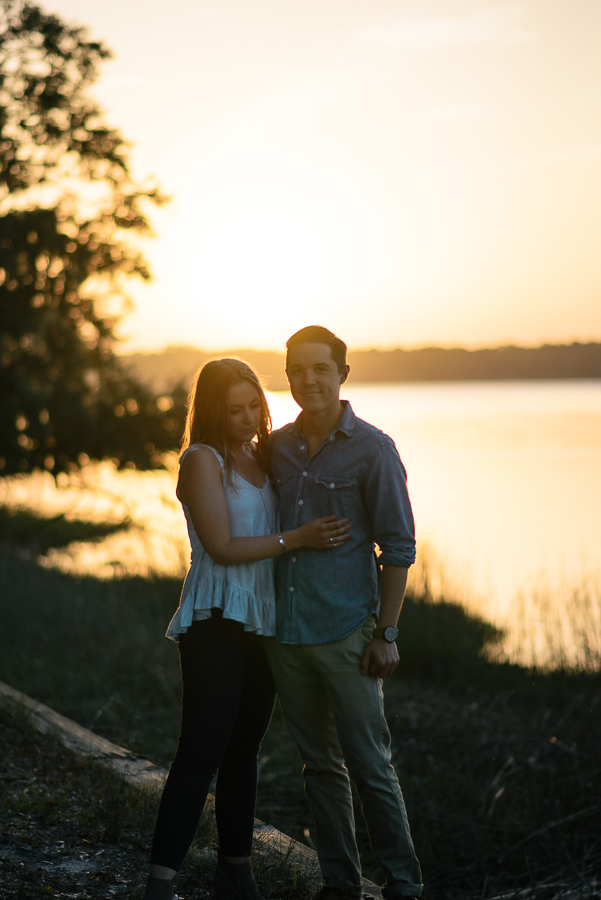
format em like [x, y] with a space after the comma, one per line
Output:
[227, 603]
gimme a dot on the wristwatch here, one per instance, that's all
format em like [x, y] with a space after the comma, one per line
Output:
[389, 633]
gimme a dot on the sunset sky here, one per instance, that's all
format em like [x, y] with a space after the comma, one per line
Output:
[405, 172]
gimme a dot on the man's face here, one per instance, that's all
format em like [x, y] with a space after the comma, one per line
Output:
[314, 377]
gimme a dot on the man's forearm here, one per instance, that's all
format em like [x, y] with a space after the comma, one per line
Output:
[380, 658]
[393, 586]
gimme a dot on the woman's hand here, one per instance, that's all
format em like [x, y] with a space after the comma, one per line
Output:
[200, 487]
[323, 534]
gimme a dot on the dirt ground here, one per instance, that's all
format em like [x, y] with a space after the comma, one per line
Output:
[70, 828]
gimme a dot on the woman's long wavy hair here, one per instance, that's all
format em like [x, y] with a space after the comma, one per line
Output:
[207, 409]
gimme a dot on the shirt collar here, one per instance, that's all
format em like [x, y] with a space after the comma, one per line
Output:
[346, 424]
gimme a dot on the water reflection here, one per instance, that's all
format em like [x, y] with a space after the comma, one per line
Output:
[154, 544]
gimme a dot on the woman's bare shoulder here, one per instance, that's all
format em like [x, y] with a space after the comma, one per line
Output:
[199, 461]
[201, 451]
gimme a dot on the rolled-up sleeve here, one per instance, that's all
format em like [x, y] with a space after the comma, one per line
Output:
[387, 500]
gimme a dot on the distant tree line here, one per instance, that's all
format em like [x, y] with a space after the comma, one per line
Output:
[177, 364]
[438, 364]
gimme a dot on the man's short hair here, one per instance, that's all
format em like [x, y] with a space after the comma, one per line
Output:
[316, 334]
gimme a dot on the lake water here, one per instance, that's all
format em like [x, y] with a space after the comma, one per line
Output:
[505, 481]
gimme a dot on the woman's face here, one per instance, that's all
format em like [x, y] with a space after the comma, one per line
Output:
[243, 413]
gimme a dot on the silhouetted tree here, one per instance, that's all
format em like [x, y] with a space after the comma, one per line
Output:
[67, 204]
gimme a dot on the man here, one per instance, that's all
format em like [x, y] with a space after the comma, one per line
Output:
[336, 617]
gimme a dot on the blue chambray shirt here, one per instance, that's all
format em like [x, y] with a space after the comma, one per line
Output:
[356, 473]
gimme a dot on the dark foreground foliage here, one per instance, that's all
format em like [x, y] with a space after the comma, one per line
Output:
[502, 781]
[499, 765]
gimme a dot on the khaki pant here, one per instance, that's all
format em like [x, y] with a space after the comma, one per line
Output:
[336, 717]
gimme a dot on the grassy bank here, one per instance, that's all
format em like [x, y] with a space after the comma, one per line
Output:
[499, 765]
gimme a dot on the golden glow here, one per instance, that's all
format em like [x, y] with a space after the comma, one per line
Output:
[422, 173]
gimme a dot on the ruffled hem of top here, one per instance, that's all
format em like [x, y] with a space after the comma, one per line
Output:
[236, 603]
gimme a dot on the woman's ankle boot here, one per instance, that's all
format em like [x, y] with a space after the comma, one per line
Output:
[234, 882]
[158, 888]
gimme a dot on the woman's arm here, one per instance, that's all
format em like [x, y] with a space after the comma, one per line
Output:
[200, 487]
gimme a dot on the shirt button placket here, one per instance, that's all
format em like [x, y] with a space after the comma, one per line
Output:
[291, 571]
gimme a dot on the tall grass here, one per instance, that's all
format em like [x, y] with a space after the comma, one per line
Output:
[556, 629]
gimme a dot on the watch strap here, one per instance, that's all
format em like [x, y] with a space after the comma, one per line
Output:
[386, 632]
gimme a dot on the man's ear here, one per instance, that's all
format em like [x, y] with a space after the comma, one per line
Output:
[344, 374]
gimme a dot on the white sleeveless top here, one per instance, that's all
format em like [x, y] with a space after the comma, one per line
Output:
[244, 591]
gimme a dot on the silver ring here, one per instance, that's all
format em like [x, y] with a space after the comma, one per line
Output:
[331, 540]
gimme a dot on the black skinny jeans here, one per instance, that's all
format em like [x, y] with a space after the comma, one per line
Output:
[227, 701]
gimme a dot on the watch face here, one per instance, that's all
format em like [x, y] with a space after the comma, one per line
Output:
[390, 634]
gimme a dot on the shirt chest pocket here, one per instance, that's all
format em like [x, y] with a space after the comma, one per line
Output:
[335, 482]
[283, 484]
[333, 494]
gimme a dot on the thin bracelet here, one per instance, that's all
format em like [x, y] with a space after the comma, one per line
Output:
[283, 543]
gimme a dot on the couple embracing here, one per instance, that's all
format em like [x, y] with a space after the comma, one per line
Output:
[319, 626]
